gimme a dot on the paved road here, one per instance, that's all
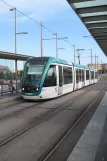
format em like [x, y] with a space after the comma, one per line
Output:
[35, 143]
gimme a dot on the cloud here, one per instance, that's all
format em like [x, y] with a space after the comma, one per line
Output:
[38, 9]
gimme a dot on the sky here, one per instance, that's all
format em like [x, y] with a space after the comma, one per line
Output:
[58, 17]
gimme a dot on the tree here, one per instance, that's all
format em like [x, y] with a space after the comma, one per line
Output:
[2, 75]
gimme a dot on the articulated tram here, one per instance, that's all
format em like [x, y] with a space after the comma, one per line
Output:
[48, 77]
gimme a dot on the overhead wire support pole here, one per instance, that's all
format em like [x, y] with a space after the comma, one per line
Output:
[16, 45]
[74, 52]
[41, 40]
[91, 58]
[95, 61]
[56, 45]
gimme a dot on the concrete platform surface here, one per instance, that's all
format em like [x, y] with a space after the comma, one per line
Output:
[87, 146]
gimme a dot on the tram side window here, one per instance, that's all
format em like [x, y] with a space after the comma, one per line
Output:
[50, 79]
[87, 74]
[67, 73]
[96, 75]
[92, 75]
[77, 76]
[60, 76]
[82, 75]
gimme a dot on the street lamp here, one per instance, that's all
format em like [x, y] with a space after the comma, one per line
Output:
[56, 38]
[88, 36]
[91, 57]
[78, 54]
[73, 47]
[61, 48]
[57, 42]
[19, 33]
[14, 9]
[74, 52]
[101, 66]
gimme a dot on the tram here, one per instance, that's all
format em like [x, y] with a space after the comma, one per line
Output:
[49, 77]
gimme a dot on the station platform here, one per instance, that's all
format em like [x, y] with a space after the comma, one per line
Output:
[92, 145]
[10, 97]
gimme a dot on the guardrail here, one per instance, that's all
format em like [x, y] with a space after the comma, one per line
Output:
[5, 88]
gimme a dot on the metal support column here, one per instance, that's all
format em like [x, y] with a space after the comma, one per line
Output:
[16, 75]
[74, 53]
[91, 58]
[56, 45]
[41, 39]
[95, 61]
[16, 47]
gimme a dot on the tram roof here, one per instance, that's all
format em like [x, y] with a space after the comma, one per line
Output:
[61, 61]
[52, 60]
[92, 69]
[93, 13]
[78, 65]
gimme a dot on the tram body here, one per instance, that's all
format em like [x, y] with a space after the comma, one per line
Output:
[48, 77]
[78, 76]
[95, 76]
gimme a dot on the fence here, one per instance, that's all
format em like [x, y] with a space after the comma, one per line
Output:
[4, 88]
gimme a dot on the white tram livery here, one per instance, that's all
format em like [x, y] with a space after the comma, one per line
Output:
[48, 77]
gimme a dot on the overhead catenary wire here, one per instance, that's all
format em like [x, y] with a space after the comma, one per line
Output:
[28, 16]
[34, 20]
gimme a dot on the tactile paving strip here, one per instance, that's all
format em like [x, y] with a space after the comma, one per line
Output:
[101, 154]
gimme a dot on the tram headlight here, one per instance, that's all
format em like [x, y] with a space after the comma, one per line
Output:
[22, 89]
[37, 89]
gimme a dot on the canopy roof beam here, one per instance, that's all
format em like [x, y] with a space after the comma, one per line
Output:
[96, 25]
[84, 10]
[102, 41]
[98, 30]
[78, 1]
[94, 18]
[100, 37]
[99, 34]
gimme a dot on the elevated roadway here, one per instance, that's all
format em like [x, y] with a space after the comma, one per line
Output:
[13, 56]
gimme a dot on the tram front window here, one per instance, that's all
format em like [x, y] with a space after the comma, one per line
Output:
[33, 74]
[51, 78]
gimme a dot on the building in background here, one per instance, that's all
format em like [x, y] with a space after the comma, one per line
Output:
[4, 69]
[98, 66]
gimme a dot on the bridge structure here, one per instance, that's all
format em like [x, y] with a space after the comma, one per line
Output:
[93, 14]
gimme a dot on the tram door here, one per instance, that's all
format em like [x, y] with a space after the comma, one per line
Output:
[60, 80]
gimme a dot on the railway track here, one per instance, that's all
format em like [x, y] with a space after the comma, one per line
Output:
[18, 111]
[4, 142]
[57, 144]
[10, 104]
[6, 106]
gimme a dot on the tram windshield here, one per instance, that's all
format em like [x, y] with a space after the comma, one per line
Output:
[33, 74]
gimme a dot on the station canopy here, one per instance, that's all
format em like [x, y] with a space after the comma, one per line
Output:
[93, 13]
